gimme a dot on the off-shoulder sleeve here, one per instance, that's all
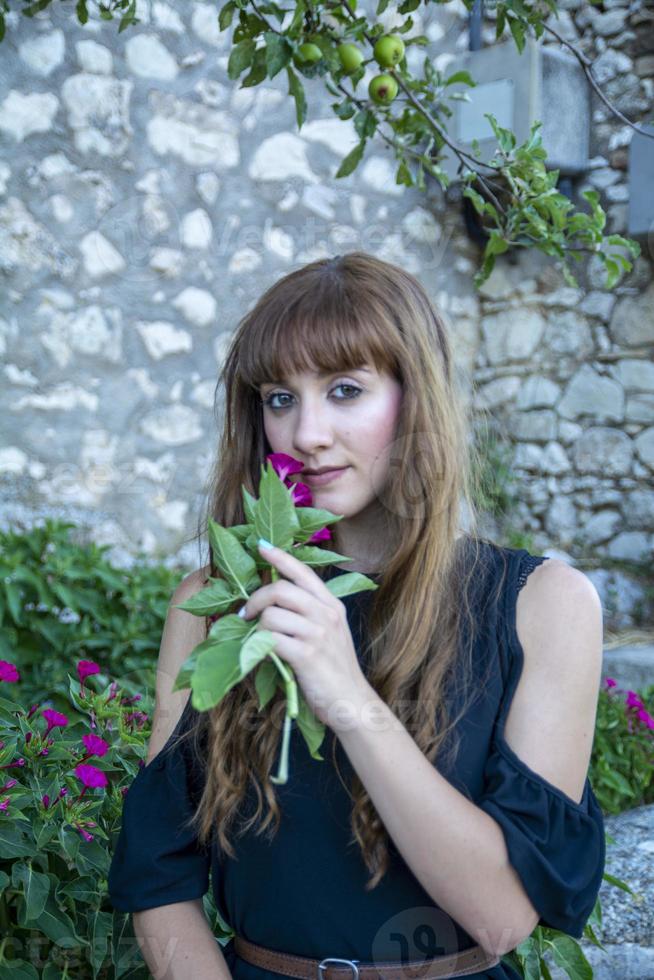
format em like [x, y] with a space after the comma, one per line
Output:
[555, 844]
[157, 860]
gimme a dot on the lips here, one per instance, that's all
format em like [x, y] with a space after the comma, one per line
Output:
[318, 479]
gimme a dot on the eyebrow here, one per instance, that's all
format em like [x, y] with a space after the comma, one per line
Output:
[321, 374]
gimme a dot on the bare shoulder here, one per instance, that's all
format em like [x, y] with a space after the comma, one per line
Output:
[556, 601]
[191, 584]
[559, 627]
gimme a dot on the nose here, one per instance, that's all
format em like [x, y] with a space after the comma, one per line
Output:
[313, 430]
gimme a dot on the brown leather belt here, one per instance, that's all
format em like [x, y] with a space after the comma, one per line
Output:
[462, 964]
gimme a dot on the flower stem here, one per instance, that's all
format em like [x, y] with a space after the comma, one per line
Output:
[282, 772]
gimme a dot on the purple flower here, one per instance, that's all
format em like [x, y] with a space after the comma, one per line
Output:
[9, 784]
[85, 668]
[633, 701]
[646, 718]
[90, 776]
[5, 803]
[54, 719]
[8, 673]
[95, 745]
[45, 800]
[610, 682]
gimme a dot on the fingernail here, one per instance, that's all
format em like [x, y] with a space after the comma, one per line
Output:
[264, 544]
[241, 611]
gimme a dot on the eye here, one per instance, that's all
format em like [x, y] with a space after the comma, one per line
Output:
[356, 391]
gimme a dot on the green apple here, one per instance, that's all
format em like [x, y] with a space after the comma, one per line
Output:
[350, 56]
[383, 89]
[309, 53]
[388, 50]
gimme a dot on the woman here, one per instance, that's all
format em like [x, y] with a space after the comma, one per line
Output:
[452, 812]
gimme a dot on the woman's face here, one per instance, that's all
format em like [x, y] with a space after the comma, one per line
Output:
[346, 419]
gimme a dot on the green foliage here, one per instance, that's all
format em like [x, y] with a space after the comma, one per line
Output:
[514, 195]
[57, 835]
[494, 487]
[622, 762]
[61, 599]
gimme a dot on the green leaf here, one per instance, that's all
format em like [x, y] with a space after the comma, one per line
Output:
[231, 558]
[18, 970]
[215, 598]
[275, 519]
[296, 89]
[12, 843]
[314, 518]
[57, 925]
[568, 955]
[240, 58]
[313, 730]
[226, 14]
[128, 17]
[352, 160]
[258, 72]
[517, 29]
[265, 682]
[100, 923]
[278, 53]
[349, 583]
[217, 671]
[312, 555]
[35, 887]
[257, 646]
[618, 883]
[83, 889]
[460, 77]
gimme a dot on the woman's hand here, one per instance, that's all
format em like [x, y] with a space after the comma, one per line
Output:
[313, 636]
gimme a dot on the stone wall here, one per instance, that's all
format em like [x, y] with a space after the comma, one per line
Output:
[146, 202]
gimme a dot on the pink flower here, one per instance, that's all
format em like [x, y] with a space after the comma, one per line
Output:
[300, 494]
[136, 717]
[54, 719]
[646, 718]
[9, 784]
[633, 701]
[95, 745]
[85, 668]
[324, 534]
[284, 465]
[8, 672]
[90, 776]
[85, 834]
[45, 800]
[610, 682]
[5, 803]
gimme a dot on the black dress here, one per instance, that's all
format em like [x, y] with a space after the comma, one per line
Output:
[304, 892]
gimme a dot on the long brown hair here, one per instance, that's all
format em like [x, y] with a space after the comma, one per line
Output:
[333, 315]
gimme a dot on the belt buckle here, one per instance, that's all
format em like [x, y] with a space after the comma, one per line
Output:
[334, 959]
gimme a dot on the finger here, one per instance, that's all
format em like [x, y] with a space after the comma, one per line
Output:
[282, 593]
[296, 571]
[289, 623]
